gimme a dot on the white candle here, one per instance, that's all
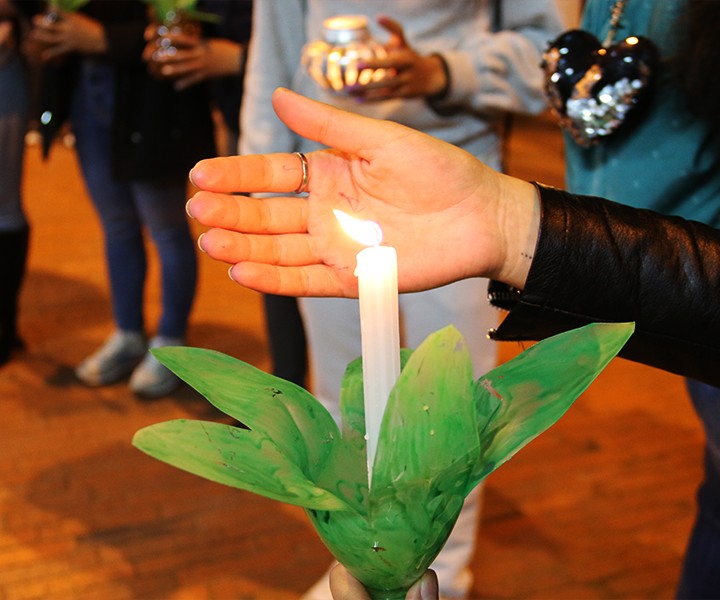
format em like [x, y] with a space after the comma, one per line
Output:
[379, 324]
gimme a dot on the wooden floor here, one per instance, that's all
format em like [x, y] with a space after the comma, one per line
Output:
[598, 507]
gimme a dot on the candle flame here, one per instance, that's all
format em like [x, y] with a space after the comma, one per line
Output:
[367, 233]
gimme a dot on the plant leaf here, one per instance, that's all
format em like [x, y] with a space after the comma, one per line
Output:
[429, 435]
[284, 412]
[532, 391]
[240, 458]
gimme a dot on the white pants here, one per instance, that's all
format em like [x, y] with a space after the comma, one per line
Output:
[332, 327]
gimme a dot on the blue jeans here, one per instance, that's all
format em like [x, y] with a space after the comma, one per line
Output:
[700, 576]
[13, 125]
[126, 208]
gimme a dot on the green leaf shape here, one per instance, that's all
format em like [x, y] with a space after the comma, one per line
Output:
[525, 396]
[298, 424]
[426, 452]
[428, 430]
[387, 537]
[385, 551]
[237, 457]
[345, 473]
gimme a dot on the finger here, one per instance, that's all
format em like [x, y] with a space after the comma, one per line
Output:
[291, 249]
[54, 52]
[396, 31]
[252, 173]
[189, 81]
[398, 61]
[192, 56]
[345, 587]
[315, 280]
[249, 215]
[332, 126]
[425, 588]
[183, 40]
[150, 32]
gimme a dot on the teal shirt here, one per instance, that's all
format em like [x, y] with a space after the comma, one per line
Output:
[665, 162]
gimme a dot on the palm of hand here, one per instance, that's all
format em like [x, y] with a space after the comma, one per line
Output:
[415, 193]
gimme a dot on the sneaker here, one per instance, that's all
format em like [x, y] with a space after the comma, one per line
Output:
[114, 360]
[151, 379]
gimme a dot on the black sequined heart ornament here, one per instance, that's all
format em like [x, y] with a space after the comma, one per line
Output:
[593, 89]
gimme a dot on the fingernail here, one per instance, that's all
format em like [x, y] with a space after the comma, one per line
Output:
[429, 588]
[230, 275]
[199, 242]
[187, 209]
[424, 589]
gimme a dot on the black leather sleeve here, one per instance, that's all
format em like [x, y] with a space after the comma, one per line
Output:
[601, 261]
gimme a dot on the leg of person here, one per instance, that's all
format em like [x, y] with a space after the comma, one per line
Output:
[14, 230]
[332, 327]
[13, 250]
[700, 577]
[463, 304]
[286, 337]
[92, 115]
[160, 204]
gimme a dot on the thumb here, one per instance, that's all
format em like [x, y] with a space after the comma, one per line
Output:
[397, 33]
[333, 127]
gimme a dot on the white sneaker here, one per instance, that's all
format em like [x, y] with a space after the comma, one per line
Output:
[151, 379]
[114, 360]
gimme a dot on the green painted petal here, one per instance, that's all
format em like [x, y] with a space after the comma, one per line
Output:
[429, 432]
[352, 406]
[284, 412]
[346, 471]
[529, 393]
[237, 457]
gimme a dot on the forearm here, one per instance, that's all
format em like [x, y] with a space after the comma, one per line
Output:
[600, 261]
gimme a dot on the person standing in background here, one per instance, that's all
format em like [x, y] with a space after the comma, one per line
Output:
[665, 156]
[14, 228]
[462, 67]
[216, 57]
[137, 137]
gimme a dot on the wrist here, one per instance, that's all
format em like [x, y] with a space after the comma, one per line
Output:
[439, 81]
[519, 224]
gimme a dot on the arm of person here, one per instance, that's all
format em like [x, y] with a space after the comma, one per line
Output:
[451, 217]
[96, 30]
[497, 71]
[73, 32]
[487, 71]
[597, 260]
[196, 59]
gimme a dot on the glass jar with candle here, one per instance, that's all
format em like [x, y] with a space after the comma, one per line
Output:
[333, 60]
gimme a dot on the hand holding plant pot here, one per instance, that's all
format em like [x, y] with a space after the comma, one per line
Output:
[61, 30]
[177, 50]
